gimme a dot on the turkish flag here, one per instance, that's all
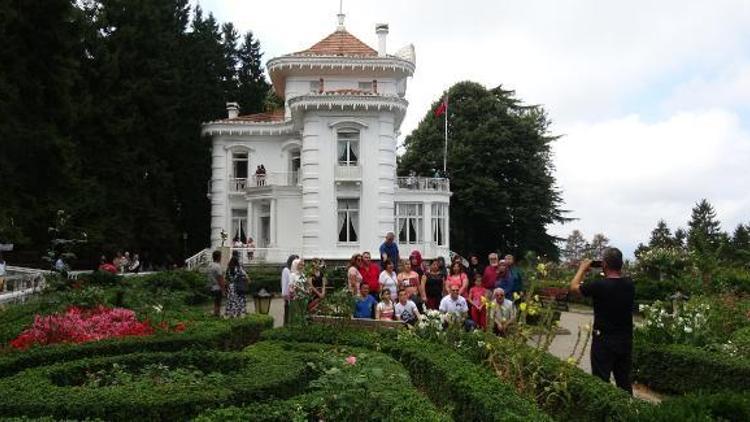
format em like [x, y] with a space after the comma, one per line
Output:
[442, 108]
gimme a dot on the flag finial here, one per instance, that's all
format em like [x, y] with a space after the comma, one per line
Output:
[341, 16]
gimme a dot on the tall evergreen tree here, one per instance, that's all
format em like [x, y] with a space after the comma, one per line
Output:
[499, 163]
[253, 85]
[598, 243]
[39, 64]
[704, 233]
[741, 245]
[576, 247]
[229, 76]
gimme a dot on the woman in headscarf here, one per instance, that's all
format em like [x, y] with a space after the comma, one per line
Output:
[417, 264]
[299, 292]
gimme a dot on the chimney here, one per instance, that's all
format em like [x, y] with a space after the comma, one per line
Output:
[382, 30]
[233, 110]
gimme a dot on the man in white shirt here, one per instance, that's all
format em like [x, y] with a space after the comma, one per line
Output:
[456, 308]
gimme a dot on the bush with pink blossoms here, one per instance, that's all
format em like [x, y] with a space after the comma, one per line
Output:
[78, 325]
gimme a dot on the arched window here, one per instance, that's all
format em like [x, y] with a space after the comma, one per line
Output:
[348, 147]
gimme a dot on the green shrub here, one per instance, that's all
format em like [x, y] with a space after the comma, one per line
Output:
[679, 369]
[205, 335]
[741, 341]
[472, 391]
[57, 390]
[731, 406]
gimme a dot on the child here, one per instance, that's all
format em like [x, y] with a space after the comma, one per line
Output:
[385, 309]
[406, 309]
[478, 310]
[365, 302]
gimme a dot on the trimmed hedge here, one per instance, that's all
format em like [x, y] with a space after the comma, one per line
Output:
[734, 407]
[376, 388]
[679, 369]
[205, 335]
[472, 391]
[56, 391]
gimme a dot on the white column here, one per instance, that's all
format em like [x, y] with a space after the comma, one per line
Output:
[219, 198]
[251, 221]
[273, 223]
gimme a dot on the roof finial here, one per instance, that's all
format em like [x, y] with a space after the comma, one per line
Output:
[341, 16]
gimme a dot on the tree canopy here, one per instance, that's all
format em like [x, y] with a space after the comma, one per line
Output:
[500, 168]
[101, 104]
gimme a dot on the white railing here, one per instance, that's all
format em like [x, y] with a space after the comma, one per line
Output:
[348, 172]
[291, 178]
[237, 184]
[250, 256]
[21, 283]
[198, 260]
[436, 184]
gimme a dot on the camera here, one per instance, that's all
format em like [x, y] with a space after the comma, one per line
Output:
[596, 264]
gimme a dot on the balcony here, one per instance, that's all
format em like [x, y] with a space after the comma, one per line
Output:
[430, 184]
[344, 173]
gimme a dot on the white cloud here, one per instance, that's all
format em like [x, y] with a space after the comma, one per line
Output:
[622, 175]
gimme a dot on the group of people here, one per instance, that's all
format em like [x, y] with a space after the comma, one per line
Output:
[120, 264]
[465, 290]
[232, 284]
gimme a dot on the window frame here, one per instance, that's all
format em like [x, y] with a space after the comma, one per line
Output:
[439, 214]
[348, 220]
[418, 222]
[357, 140]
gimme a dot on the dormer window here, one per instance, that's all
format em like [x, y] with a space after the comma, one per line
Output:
[348, 147]
[316, 86]
[366, 86]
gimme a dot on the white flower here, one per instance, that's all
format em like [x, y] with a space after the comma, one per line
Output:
[688, 329]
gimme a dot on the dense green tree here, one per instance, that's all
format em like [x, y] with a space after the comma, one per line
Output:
[229, 75]
[661, 236]
[39, 64]
[741, 245]
[499, 163]
[253, 88]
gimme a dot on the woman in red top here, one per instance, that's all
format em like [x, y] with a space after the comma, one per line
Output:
[370, 272]
[489, 277]
[477, 309]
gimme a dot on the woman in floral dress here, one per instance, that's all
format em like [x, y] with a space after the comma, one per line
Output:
[237, 288]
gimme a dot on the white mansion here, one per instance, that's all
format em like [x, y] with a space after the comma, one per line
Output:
[330, 187]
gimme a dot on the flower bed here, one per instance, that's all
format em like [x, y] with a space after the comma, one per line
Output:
[78, 325]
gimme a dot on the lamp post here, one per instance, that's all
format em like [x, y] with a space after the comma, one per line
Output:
[262, 301]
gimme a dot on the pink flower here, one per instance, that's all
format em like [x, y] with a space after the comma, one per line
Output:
[351, 360]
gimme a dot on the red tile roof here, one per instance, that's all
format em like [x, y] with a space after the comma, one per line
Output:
[273, 116]
[340, 43]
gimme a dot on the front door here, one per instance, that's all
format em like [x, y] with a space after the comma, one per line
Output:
[265, 232]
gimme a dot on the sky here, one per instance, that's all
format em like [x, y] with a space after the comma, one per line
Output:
[652, 98]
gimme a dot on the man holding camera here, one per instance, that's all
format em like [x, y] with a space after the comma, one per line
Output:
[612, 343]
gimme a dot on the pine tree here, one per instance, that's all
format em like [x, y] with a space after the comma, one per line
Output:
[229, 76]
[253, 85]
[576, 247]
[741, 245]
[661, 236]
[500, 167]
[598, 243]
[704, 233]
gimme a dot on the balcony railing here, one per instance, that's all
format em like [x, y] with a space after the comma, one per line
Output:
[238, 185]
[436, 184]
[348, 172]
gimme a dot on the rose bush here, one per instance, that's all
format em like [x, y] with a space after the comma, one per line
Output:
[78, 325]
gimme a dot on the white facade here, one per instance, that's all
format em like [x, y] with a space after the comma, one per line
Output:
[330, 188]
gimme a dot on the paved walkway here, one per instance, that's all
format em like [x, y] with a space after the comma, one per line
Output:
[562, 346]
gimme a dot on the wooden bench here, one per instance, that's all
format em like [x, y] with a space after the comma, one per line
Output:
[555, 297]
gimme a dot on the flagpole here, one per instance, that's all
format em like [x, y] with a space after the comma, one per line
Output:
[445, 146]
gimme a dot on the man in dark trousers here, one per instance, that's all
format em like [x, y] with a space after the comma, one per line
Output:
[612, 344]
